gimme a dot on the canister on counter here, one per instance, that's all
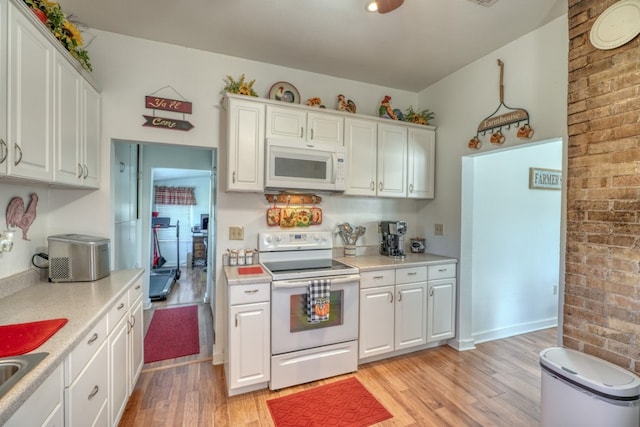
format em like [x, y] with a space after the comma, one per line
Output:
[233, 257]
[241, 257]
[248, 255]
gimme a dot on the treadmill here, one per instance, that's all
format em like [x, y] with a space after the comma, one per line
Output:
[162, 279]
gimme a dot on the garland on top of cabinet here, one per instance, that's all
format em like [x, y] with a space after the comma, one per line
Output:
[50, 14]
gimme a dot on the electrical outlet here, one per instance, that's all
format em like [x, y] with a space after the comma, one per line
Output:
[439, 230]
[236, 233]
[555, 289]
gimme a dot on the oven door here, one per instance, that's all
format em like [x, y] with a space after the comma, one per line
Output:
[290, 329]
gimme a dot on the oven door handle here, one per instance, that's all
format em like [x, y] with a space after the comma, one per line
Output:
[338, 280]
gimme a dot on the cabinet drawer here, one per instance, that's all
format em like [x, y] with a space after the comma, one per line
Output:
[135, 292]
[85, 398]
[411, 275]
[80, 355]
[243, 294]
[442, 271]
[373, 279]
[118, 311]
[44, 404]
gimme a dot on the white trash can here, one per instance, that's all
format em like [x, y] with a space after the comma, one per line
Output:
[584, 391]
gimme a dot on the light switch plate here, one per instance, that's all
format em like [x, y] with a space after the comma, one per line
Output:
[236, 233]
[439, 230]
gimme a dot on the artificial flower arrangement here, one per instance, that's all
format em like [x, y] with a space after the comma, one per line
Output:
[51, 14]
[421, 117]
[240, 87]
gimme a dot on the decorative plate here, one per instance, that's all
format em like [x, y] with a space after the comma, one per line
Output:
[617, 25]
[286, 92]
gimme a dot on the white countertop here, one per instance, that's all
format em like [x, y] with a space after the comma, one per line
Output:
[82, 303]
[380, 262]
[235, 278]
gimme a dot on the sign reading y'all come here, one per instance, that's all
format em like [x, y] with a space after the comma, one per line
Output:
[166, 104]
[166, 123]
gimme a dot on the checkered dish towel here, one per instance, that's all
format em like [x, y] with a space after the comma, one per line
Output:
[318, 297]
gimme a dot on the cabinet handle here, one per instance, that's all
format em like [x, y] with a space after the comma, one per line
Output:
[430, 291]
[378, 277]
[121, 306]
[372, 186]
[137, 287]
[3, 144]
[92, 339]
[442, 270]
[413, 273]
[80, 170]
[391, 295]
[399, 296]
[86, 171]
[311, 133]
[410, 188]
[18, 149]
[301, 131]
[233, 177]
[236, 320]
[380, 186]
[93, 393]
[253, 291]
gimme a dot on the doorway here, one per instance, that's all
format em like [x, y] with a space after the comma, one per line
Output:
[136, 169]
[510, 263]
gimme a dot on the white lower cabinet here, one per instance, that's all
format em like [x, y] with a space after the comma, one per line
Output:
[402, 309]
[442, 300]
[248, 358]
[44, 407]
[136, 336]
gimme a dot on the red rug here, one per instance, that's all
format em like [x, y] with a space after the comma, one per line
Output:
[173, 332]
[343, 403]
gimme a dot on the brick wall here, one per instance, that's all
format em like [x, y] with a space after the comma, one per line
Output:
[602, 286]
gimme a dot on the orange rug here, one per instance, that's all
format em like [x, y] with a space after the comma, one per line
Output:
[173, 333]
[343, 403]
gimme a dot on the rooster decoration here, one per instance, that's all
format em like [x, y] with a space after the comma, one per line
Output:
[18, 216]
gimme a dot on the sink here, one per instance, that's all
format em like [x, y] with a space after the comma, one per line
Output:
[12, 369]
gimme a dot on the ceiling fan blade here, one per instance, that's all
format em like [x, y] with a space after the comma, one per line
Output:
[386, 6]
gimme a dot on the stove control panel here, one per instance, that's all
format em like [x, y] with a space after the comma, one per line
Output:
[294, 240]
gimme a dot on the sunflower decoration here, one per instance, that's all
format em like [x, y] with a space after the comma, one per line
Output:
[241, 87]
[65, 31]
[418, 117]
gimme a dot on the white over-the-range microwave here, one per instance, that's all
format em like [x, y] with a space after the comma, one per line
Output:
[292, 164]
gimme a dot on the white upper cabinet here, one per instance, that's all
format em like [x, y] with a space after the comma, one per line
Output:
[421, 163]
[392, 160]
[305, 126]
[361, 141]
[245, 150]
[30, 100]
[4, 149]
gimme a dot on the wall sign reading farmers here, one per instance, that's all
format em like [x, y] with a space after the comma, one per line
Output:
[167, 104]
[545, 179]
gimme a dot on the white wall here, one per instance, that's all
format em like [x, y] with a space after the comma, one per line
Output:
[535, 78]
[515, 243]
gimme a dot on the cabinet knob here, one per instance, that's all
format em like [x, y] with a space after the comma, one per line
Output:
[19, 150]
[5, 149]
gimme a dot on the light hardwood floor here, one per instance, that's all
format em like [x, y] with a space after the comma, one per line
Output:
[497, 384]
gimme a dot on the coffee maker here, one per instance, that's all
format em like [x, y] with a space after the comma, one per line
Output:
[392, 238]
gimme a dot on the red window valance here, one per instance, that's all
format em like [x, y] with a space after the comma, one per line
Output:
[175, 195]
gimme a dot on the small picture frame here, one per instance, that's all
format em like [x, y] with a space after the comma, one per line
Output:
[545, 179]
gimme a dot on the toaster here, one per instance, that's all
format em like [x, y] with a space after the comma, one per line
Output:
[78, 258]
